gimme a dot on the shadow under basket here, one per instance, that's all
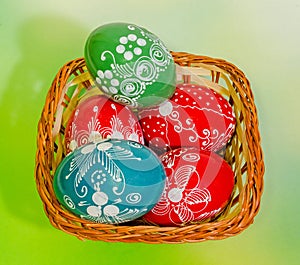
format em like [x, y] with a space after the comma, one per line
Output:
[243, 153]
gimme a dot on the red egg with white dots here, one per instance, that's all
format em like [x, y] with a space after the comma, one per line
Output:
[98, 118]
[195, 116]
[198, 187]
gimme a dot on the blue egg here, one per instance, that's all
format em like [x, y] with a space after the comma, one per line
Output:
[112, 181]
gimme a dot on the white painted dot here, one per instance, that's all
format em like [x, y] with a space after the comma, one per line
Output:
[137, 51]
[212, 98]
[128, 55]
[87, 149]
[93, 211]
[181, 96]
[111, 210]
[162, 133]
[207, 103]
[165, 108]
[73, 145]
[194, 103]
[100, 74]
[200, 97]
[104, 146]
[120, 48]
[105, 89]
[132, 37]
[114, 82]
[113, 90]
[206, 93]
[100, 198]
[123, 40]
[141, 42]
[187, 99]
[108, 74]
[154, 130]
[175, 195]
[163, 125]
[98, 80]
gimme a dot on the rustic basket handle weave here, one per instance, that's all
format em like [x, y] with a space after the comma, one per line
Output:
[243, 153]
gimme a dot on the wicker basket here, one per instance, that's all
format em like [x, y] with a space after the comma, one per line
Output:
[243, 153]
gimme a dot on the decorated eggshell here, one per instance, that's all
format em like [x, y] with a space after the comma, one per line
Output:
[130, 64]
[195, 116]
[113, 181]
[198, 187]
[99, 118]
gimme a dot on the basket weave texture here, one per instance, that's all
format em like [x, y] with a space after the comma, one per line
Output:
[243, 153]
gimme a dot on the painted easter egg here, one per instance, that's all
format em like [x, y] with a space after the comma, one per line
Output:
[196, 116]
[98, 118]
[113, 181]
[130, 64]
[198, 186]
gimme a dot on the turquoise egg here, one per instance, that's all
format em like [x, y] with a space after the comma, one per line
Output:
[112, 181]
[130, 64]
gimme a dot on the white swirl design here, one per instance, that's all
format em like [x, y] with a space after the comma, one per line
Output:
[133, 198]
[144, 69]
[124, 100]
[68, 201]
[191, 157]
[131, 87]
[135, 145]
[158, 54]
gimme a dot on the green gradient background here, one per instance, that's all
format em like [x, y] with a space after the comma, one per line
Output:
[260, 36]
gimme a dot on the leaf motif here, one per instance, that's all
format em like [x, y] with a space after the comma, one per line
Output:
[127, 215]
[198, 196]
[120, 153]
[112, 169]
[83, 162]
[162, 207]
[184, 213]
[182, 176]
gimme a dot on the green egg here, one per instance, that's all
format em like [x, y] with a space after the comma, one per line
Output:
[130, 64]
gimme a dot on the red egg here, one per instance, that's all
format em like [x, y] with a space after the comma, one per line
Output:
[198, 187]
[196, 116]
[98, 118]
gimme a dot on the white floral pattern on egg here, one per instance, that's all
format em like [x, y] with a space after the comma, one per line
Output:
[99, 118]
